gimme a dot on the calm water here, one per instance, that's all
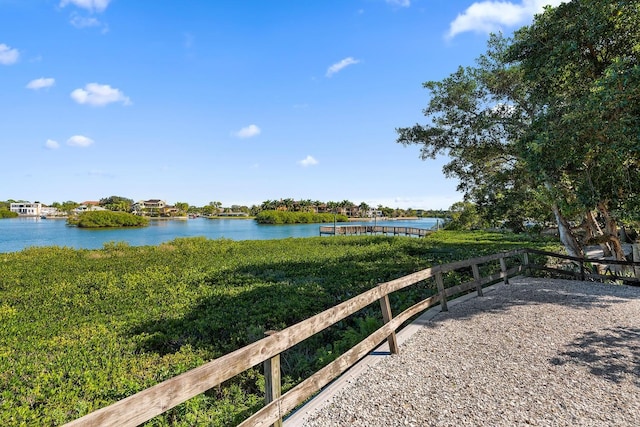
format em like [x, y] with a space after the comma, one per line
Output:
[19, 233]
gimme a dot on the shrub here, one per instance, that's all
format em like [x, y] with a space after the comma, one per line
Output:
[285, 217]
[7, 214]
[101, 219]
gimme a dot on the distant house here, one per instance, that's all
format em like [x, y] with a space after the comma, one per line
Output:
[87, 208]
[321, 208]
[26, 208]
[49, 211]
[153, 207]
[353, 211]
[33, 209]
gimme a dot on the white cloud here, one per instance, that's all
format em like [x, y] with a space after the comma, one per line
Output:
[308, 161]
[338, 66]
[488, 16]
[41, 83]
[248, 132]
[8, 55]
[401, 3]
[90, 5]
[79, 141]
[98, 95]
[51, 144]
[83, 22]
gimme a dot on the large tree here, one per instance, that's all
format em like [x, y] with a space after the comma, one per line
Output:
[475, 116]
[550, 118]
[580, 61]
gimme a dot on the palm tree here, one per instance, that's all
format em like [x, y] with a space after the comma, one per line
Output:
[268, 205]
[288, 204]
[364, 208]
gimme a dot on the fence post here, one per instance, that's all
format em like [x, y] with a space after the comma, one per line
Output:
[476, 277]
[582, 278]
[443, 295]
[527, 269]
[272, 381]
[503, 269]
[635, 251]
[387, 316]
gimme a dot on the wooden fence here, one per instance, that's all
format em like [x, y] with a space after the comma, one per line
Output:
[143, 406]
[373, 229]
[592, 269]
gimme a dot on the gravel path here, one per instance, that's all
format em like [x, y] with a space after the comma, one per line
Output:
[535, 352]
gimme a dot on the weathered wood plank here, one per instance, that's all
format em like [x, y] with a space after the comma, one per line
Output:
[155, 400]
[385, 306]
[503, 270]
[324, 376]
[273, 385]
[477, 278]
[574, 274]
[590, 260]
[441, 291]
[479, 260]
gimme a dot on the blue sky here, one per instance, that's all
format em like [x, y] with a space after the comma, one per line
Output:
[237, 101]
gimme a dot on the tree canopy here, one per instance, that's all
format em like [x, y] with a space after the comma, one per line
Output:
[117, 203]
[547, 122]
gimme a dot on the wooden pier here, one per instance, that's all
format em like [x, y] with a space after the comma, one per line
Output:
[373, 229]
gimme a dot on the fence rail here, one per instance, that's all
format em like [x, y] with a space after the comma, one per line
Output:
[143, 406]
[597, 269]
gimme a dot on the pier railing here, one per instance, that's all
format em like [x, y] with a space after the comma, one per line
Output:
[143, 406]
[373, 229]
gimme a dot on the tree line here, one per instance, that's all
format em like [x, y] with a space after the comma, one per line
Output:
[213, 208]
[546, 126]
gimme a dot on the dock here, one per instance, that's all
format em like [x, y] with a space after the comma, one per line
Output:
[373, 229]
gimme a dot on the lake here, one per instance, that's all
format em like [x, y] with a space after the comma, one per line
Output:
[20, 233]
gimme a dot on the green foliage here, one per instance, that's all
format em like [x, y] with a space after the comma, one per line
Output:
[84, 328]
[464, 216]
[286, 217]
[117, 203]
[548, 122]
[101, 219]
[475, 116]
[5, 213]
[580, 62]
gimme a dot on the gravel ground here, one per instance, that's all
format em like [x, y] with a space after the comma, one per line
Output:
[534, 352]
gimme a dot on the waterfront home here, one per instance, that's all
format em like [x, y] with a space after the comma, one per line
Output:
[153, 207]
[26, 208]
[149, 207]
[33, 209]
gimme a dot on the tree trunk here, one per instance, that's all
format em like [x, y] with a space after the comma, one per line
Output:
[594, 231]
[611, 231]
[567, 237]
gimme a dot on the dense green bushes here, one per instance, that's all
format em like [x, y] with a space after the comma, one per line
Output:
[100, 219]
[84, 328]
[286, 217]
[7, 214]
